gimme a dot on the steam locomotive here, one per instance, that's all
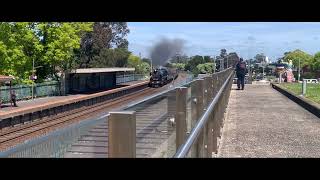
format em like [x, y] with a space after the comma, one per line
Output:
[162, 76]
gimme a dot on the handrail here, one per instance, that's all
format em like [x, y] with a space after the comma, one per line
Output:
[184, 149]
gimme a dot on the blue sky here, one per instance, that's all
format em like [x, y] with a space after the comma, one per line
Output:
[245, 38]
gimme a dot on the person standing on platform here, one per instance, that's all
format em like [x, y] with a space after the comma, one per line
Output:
[240, 72]
[14, 98]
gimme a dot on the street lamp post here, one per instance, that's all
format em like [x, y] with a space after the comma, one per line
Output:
[33, 77]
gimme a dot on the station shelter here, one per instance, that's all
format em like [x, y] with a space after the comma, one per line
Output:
[5, 80]
[94, 79]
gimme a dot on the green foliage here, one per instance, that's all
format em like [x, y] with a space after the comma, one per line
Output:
[207, 59]
[60, 41]
[140, 66]
[110, 58]
[193, 63]
[179, 66]
[16, 49]
[144, 68]
[147, 60]
[50, 45]
[296, 55]
[106, 42]
[206, 68]
[60, 46]
[315, 64]
[308, 75]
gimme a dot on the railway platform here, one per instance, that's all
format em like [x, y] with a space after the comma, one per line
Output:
[33, 109]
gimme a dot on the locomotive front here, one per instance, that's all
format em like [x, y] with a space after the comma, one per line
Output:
[158, 77]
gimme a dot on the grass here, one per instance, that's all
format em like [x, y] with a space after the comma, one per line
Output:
[313, 90]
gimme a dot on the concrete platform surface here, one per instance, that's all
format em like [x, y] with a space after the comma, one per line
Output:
[261, 122]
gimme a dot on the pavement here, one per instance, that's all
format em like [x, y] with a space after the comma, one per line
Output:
[262, 123]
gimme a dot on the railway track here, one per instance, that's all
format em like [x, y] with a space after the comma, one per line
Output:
[25, 132]
[21, 133]
[152, 130]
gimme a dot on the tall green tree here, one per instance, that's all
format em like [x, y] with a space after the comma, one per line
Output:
[60, 40]
[296, 55]
[140, 66]
[110, 58]
[193, 62]
[315, 65]
[105, 35]
[18, 47]
[147, 60]
[50, 45]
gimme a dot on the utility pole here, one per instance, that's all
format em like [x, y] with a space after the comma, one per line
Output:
[299, 71]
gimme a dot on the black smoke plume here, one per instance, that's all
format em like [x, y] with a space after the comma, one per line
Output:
[165, 49]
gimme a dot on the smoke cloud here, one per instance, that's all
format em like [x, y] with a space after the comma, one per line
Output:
[165, 49]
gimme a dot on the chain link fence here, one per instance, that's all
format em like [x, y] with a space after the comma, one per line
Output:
[24, 92]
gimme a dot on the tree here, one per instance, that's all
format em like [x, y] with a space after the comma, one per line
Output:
[146, 60]
[60, 40]
[205, 68]
[140, 67]
[144, 68]
[18, 44]
[110, 58]
[180, 66]
[50, 45]
[105, 35]
[207, 59]
[296, 55]
[315, 65]
[193, 62]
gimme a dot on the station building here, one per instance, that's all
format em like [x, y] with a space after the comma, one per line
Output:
[93, 79]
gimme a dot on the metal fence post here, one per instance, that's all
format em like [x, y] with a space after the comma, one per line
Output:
[181, 116]
[207, 129]
[197, 91]
[202, 137]
[304, 87]
[122, 134]
[171, 105]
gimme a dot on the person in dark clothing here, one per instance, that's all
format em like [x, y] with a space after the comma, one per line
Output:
[14, 98]
[240, 72]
